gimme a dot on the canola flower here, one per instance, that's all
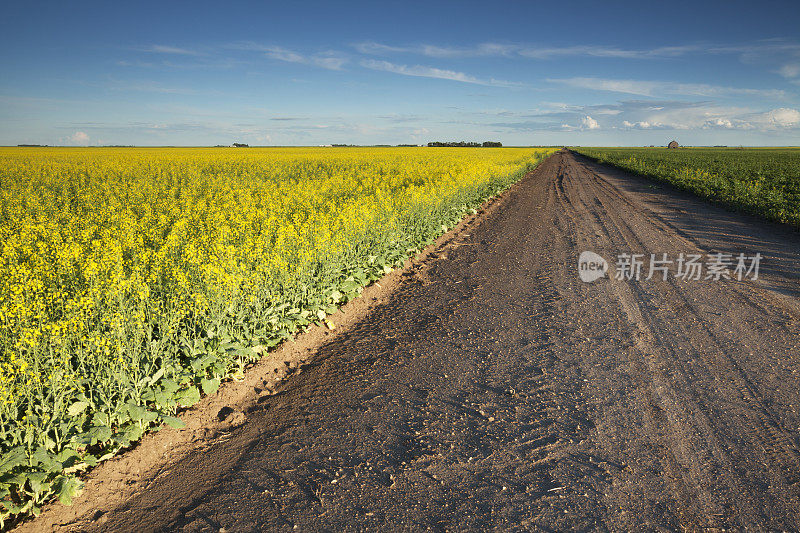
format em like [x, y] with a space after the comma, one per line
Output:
[133, 280]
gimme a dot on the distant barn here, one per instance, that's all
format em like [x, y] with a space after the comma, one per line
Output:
[673, 144]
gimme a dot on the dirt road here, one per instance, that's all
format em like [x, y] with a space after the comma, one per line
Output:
[495, 389]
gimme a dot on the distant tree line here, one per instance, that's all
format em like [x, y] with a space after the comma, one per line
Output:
[464, 144]
[370, 145]
[241, 145]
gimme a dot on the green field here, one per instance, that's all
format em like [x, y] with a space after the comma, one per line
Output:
[759, 181]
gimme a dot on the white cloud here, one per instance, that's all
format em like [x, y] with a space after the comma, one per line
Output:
[776, 55]
[683, 117]
[648, 125]
[657, 88]
[431, 72]
[709, 117]
[761, 53]
[606, 51]
[430, 50]
[780, 118]
[640, 88]
[790, 70]
[524, 50]
[589, 123]
[481, 50]
[651, 115]
[722, 123]
[160, 49]
[327, 60]
[586, 123]
[749, 52]
[79, 138]
[373, 48]
[282, 54]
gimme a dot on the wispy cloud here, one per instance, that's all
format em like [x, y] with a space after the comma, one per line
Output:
[329, 60]
[766, 52]
[662, 88]
[523, 50]
[668, 115]
[432, 72]
[606, 51]
[174, 50]
[481, 50]
[790, 70]
[373, 48]
[756, 50]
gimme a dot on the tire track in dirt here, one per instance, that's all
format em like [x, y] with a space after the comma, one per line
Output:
[666, 328]
[493, 389]
[779, 443]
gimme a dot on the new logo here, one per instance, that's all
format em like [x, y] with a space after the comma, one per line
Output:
[591, 266]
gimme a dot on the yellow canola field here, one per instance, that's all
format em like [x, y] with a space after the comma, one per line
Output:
[132, 280]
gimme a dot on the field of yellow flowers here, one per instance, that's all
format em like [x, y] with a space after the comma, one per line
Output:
[134, 280]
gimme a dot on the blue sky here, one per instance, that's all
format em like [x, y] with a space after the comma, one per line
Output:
[309, 73]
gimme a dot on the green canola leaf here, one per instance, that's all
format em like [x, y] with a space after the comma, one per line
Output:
[173, 421]
[13, 458]
[77, 408]
[188, 397]
[210, 386]
[67, 488]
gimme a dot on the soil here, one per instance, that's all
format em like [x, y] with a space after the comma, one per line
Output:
[486, 386]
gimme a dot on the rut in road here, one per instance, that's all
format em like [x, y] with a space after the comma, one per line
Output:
[494, 389]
